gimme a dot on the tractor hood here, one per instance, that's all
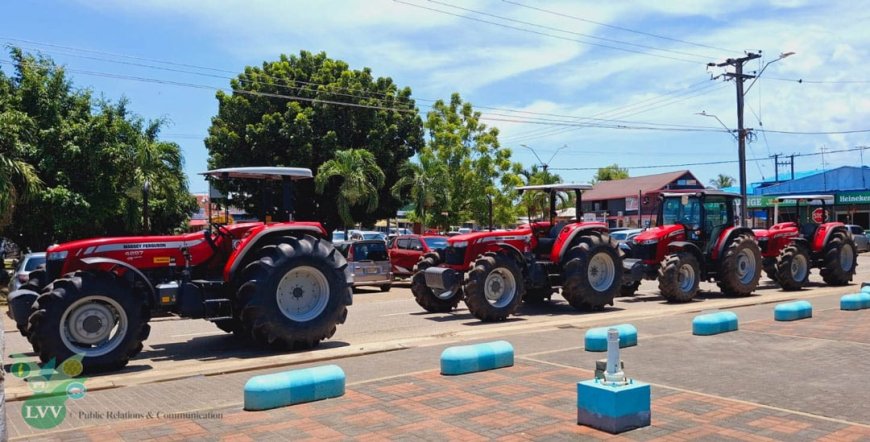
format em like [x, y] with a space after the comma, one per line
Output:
[656, 234]
[487, 236]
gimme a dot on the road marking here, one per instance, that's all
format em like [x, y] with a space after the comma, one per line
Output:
[198, 334]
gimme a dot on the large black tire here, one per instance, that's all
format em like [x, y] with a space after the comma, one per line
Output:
[793, 267]
[36, 281]
[740, 267]
[296, 293]
[629, 289]
[494, 287]
[233, 325]
[839, 259]
[679, 276]
[89, 299]
[592, 272]
[425, 296]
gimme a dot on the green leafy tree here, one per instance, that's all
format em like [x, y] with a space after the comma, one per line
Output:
[537, 203]
[610, 173]
[722, 181]
[360, 178]
[86, 153]
[284, 113]
[478, 168]
[422, 183]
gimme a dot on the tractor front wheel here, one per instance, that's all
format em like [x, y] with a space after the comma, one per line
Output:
[741, 267]
[96, 315]
[679, 276]
[296, 294]
[494, 287]
[425, 296]
[793, 267]
[592, 273]
[839, 259]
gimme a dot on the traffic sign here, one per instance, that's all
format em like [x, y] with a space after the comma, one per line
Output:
[819, 215]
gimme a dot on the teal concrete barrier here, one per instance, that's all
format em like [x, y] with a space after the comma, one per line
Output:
[294, 387]
[714, 323]
[596, 338]
[792, 311]
[479, 357]
[855, 301]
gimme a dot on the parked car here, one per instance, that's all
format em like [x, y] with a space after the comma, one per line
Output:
[406, 250]
[624, 235]
[338, 236]
[369, 262]
[27, 264]
[360, 235]
[862, 243]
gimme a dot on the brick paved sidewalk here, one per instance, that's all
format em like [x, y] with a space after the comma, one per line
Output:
[530, 401]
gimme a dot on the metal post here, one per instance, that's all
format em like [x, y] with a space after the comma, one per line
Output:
[614, 374]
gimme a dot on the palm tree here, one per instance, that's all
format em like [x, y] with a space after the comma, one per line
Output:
[421, 181]
[538, 202]
[18, 181]
[722, 181]
[156, 165]
[360, 180]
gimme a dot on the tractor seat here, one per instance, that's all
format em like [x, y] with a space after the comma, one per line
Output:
[808, 230]
[545, 243]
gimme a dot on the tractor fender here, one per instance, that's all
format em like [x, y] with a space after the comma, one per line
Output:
[513, 252]
[567, 240]
[686, 246]
[137, 274]
[728, 235]
[829, 229]
[242, 255]
[801, 242]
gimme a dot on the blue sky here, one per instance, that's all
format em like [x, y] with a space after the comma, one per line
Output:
[534, 83]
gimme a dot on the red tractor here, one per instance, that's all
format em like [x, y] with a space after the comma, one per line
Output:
[791, 249]
[494, 271]
[696, 239]
[279, 283]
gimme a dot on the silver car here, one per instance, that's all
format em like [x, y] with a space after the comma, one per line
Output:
[29, 263]
[369, 262]
[862, 243]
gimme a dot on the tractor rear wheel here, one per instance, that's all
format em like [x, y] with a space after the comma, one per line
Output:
[679, 276]
[793, 267]
[96, 315]
[592, 273]
[296, 293]
[839, 259]
[426, 297]
[494, 287]
[740, 267]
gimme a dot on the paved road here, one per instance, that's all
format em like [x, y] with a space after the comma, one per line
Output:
[381, 322]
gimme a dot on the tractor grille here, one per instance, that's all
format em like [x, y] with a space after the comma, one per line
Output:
[762, 244]
[644, 252]
[454, 255]
[52, 270]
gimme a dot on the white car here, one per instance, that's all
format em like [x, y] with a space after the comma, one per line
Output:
[625, 235]
[862, 243]
[29, 263]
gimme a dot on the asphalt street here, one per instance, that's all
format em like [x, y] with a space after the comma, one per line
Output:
[383, 322]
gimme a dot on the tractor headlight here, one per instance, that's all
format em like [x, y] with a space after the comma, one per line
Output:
[647, 242]
[57, 256]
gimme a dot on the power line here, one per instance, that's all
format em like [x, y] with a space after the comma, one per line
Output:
[840, 132]
[545, 34]
[713, 163]
[580, 34]
[648, 34]
[801, 80]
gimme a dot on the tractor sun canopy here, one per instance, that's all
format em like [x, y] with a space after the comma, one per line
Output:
[823, 198]
[552, 190]
[260, 173]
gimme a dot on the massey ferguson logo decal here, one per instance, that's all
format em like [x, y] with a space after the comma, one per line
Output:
[152, 245]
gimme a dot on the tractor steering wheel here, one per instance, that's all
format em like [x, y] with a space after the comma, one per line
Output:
[220, 231]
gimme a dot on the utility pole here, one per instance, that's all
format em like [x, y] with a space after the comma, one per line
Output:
[739, 77]
[777, 163]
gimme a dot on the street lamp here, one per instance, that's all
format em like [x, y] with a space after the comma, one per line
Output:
[781, 56]
[705, 114]
[543, 164]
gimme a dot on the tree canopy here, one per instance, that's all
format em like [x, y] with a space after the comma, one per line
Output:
[91, 155]
[288, 112]
[610, 173]
[722, 181]
[360, 178]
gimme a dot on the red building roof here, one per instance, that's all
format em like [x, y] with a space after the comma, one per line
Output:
[607, 190]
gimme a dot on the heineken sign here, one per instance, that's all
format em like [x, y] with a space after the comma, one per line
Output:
[853, 198]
